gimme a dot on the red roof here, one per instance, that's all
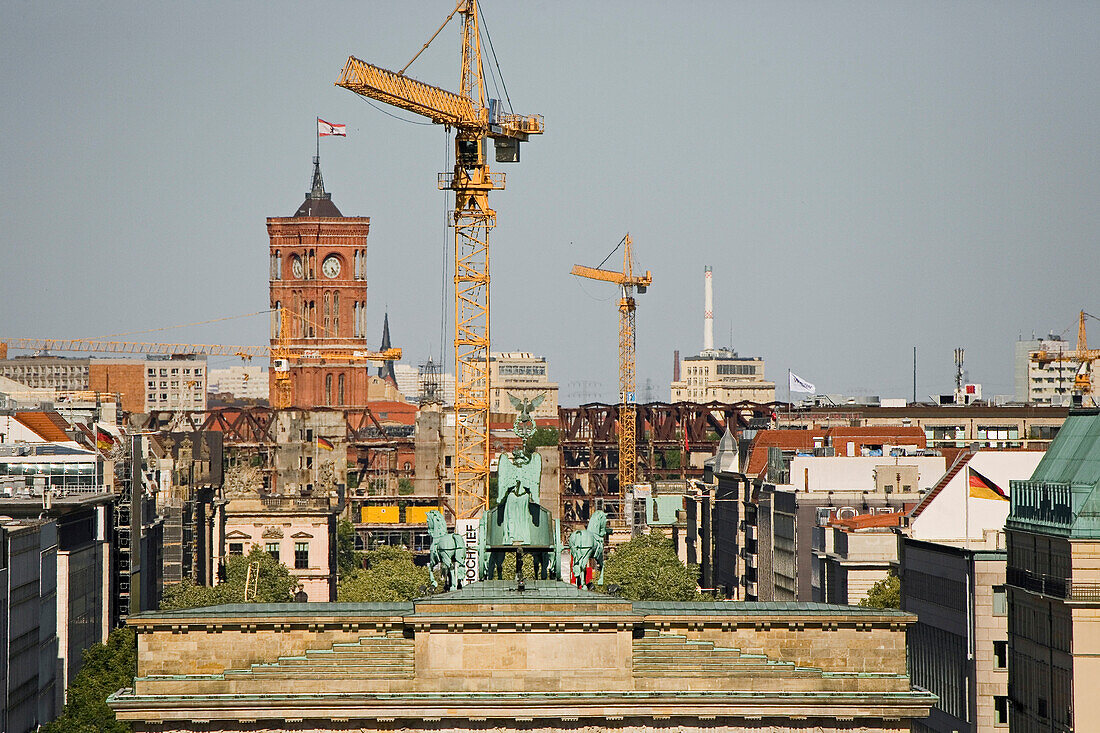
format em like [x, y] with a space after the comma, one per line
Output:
[835, 436]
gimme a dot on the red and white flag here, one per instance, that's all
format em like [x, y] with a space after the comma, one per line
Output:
[328, 128]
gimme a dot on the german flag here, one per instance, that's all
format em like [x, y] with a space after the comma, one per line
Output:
[103, 439]
[982, 488]
[324, 443]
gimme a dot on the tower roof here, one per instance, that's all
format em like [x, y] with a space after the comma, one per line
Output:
[318, 202]
[386, 370]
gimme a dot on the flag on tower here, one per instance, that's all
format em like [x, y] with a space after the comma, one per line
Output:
[798, 384]
[328, 128]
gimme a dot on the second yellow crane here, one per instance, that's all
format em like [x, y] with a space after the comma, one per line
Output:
[628, 282]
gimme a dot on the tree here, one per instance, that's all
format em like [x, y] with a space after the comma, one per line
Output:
[542, 436]
[348, 559]
[106, 669]
[112, 666]
[886, 593]
[647, 569]
[390, 576]
[276, 584]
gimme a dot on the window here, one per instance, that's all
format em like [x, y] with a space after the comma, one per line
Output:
[447, 461]
[328, 389]
[1000, 601]
[273, 550]
[236, 548]
[1000, 710]
[340, 390]
[301, 555]
[1000, 654]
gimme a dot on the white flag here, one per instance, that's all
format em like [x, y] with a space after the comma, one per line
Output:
[328, 128]
[798, 384]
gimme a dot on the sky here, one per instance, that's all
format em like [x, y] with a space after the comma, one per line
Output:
[864, 177]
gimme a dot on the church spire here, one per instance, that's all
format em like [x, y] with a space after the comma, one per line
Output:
[386, 370]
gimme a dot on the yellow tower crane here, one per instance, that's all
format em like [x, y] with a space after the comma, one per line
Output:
[627, 282]
[1083, 355]
[474, 119]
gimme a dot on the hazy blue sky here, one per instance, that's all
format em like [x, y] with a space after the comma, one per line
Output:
[864, 177]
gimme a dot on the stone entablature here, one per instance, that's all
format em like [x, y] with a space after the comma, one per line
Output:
[488, 656]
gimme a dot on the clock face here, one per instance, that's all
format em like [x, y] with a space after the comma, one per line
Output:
[331, 266]
[296, 267]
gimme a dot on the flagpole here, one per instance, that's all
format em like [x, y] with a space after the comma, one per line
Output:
[317, 135]
[966, 512]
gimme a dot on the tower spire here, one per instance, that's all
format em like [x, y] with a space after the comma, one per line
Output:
[386, 371]
[318, 189]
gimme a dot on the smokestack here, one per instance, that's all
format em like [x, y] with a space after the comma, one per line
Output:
[708, 310]
[676, 365]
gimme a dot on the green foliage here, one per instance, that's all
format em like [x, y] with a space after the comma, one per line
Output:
[348, 559]
[276, 584]
[112, 666]
[886, 593]
[404, 487]
[508, 567]
[542, 436]
[107, 668]
[390, 577]
[493, 483]
[647, 569]
[672, 458]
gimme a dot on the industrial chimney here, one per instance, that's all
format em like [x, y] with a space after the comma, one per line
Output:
[708, 310]
[676, 365]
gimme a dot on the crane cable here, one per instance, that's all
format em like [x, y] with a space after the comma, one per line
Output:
[496, 62]
[605, 259]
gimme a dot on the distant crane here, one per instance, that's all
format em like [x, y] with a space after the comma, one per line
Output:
[282, 356]
[627, 282]
[473, 120]
[1083, 355]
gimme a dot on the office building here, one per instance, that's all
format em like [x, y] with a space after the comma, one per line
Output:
[721, 375]
[523, 376]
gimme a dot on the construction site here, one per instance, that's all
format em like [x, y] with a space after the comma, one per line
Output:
[387, 457]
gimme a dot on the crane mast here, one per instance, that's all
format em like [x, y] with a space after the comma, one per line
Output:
[628, 411]
[471, 181]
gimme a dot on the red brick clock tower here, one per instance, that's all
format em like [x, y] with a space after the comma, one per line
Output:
[319, 275]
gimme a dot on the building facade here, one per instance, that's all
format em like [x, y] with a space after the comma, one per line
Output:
[524, 376]
[318, 284]
[1044, 383]
[1011, 427]
[176, 382]
[47, 372]
[1053, 581]
[246, 382]
[555, 658]
[720, 375]
[29, 669]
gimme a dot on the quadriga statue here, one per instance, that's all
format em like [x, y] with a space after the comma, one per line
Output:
[519, 523]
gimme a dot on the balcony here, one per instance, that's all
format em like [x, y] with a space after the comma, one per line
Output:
[1055, 587]
[294, 503]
